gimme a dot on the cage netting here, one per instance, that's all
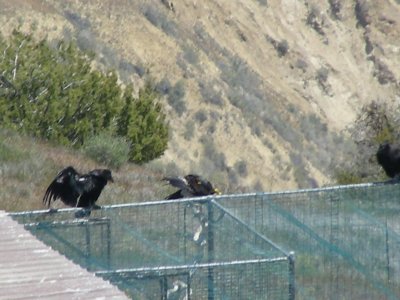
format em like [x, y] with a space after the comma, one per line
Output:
[346, 238]
[178, 249]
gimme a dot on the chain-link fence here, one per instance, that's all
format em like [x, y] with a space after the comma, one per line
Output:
[170, 250]
[346, 238]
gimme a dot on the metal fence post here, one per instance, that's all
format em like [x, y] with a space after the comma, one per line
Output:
[108, 244]
[387, 253]
[188, 288]
[87, 240]
[184, 234]
[210, 250]
[292, 279]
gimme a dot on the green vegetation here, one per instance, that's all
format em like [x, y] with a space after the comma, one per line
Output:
[107, 149]
[376, 123]
[53, 92]
[143, 123]
[176, 97]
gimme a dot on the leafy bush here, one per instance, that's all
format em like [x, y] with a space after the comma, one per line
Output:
[237, 73]
[200, 116]
[210, 95]
[126, 69]
[163, 87]
[241, 168]
[210, 152]
[282, 48]
[361, 10]
[54, 93]
[189, 130]
[160, 20]
[346, 176]
[77, 20]
[106, 149]
[211, 128]
[315, 20]
[86, 40]
[322, 74]
[376, 123]
[175, 97]
[301, 64]
[263, 2]
[322, 79]
[336, 7]
[382, 71]
[143, 123]
[300, 171]
[190, 54]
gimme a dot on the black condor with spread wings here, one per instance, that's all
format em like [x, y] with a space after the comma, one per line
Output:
[190, 186]
[77, 190]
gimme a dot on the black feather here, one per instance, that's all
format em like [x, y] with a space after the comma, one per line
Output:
[388, 156]
[190, 186]
[77, 190]
[177, 195]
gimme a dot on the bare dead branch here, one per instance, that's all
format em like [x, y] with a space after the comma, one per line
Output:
[5, 50]
[16, 59]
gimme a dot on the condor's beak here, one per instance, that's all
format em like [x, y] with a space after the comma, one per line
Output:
[217, 191]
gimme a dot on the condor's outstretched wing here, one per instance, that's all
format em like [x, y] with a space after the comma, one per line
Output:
[178, 182]
[190, 186]
[181, 184]
[177, 195]
[65, 186]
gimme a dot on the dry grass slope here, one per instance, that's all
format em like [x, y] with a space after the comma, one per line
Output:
[29, 165]
[265, 86]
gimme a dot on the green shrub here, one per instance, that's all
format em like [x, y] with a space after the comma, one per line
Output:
[282, 48]
[200, 116]
[189, 130]
[175, 97]
[241, 167]
[343, 176]
[190, 54]
[217, 158]
[142, 122]
[210, 94]
[376, 123]
[263, 2]
[163, 87]
[54, 93]
[156, 17]
[107, 149]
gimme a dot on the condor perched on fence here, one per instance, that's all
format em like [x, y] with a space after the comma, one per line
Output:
[388, 157]
[190, 186]
[77, 190]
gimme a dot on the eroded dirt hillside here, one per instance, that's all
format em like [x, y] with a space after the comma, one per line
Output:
[258, 92]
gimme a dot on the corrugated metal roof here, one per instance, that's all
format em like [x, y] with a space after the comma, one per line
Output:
[31, 270]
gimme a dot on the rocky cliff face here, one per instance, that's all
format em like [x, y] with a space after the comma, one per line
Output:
[258, 92]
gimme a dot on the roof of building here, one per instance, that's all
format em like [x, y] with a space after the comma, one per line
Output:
[31, 270]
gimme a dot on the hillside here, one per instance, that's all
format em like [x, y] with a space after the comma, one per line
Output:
[258, 92]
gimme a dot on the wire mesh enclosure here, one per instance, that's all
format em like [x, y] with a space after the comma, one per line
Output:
[176, 249]
[346, 238]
